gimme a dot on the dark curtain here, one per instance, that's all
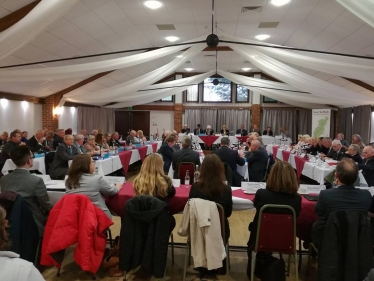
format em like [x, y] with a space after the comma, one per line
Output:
[304, 122]
[202, 116]
[345, 122]
[233, 118]
[276, 118]
[90, 118]
[362, 122]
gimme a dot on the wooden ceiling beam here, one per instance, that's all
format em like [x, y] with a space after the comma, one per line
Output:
[20, 97]
[16, 16]
[360, 83]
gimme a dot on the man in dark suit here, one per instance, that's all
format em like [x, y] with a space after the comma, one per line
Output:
[367, 166]
[229, 156]
[15, 141]
[267, 132]
[31, 188]
[59, 138]
[115, 142]
[257, 160]
[353, 153]
[36, 141]
[243, 132]
[255, 129]
[344, 198]
[209, 131]
[185, 129]
[64, 153]
[186, 154]
[48, 141]
[337, 152]
[326, 147]
[198, 130]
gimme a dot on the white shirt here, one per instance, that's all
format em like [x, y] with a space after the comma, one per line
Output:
[13, 268]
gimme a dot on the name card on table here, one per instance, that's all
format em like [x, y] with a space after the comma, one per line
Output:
[113, 180]
[252, 187]
[176, 182]
[46, 178]
[310, 189]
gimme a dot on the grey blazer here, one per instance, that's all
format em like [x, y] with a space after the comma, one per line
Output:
[33, 191]
[60, 164]
[95, 187]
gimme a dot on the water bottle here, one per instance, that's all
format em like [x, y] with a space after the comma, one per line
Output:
[196, 174]
[187, 178]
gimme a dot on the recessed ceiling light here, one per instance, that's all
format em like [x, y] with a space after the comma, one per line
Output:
[152, 4]
[172, 38]
[180, 56]
[262, 37]
[280, 2]
[246, 68]
[188, 69]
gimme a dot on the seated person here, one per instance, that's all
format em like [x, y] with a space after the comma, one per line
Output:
[314, 148]
[326, 147]
[353, 152]
[24, 135]
[300, 140]
[15, 141]
[257, 161]
[91, 147]
[59, 138]
[281, 189]
[166, 150]
[31, 188]
[78, 143]
[198, 130]
[211, 186]
[243, 132]
[36, 142]
[11, 266]
[340, 136]
[284, 133]
[267, 132]
[141, 136]
[344, 198]
[231, 157]
[185, 129]
[356, 139]
[3, 138]
[367, 165]
[82, 180]
[255, 129]
[106, 140]
[209, 131]
[105, 144]
[99, 142]
[114, 140]
[131, 138]
[48, 141]
[337, 152]
[186, 154]
[64, 153]
[225, 131]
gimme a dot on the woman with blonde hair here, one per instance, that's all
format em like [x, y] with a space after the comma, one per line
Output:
[90, 145]
[11, 266]
[101, 141]
[281, 189]
[152, 180]
[141, 136]
[82, 180]
[225, 131]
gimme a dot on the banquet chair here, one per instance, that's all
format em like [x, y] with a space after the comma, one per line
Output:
[266, 170]
[276, 232]
[187, 255]
[48, 159]
[183, 167]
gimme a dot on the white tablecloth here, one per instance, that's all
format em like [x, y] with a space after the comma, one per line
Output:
[38, 165]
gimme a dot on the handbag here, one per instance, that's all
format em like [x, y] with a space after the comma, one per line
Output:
[269, 268]
[111, 260]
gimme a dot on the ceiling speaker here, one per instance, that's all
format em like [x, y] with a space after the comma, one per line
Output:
[212, 40]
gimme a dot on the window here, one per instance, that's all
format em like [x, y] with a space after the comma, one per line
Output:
[217, 93]
[170, 98]
[192, 93]
[268, 100]
[242, 94]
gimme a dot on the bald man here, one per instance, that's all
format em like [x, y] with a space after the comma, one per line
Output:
[367, 166]
[131, 137]
[36, 141]
[257, 161]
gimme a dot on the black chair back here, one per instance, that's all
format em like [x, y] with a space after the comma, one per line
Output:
[48, 159]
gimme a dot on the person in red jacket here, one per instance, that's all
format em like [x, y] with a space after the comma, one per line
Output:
[75, 220]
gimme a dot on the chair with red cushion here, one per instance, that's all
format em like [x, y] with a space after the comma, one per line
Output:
[276, 232]
[183, 167]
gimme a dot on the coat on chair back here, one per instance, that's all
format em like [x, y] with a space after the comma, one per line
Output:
[145, 231]
[346, 251]
[74, 219]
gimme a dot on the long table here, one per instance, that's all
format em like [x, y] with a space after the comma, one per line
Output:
[104, 166]
[306, 168]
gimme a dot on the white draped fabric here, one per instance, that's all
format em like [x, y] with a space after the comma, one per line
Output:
[301, 80]
[116, 93]
[296, 99]
[356, 68]
[32, 24]
[84, 69]
[163, 90]
[361, 8]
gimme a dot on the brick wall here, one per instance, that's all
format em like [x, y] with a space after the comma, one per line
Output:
[48, 120]
[178, 111]
[256, 114]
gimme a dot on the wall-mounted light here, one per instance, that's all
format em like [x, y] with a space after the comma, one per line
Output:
[72, 110]
[246, 66]
[57, 111]
[4, 103]
[24, 105]
[188, 66]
